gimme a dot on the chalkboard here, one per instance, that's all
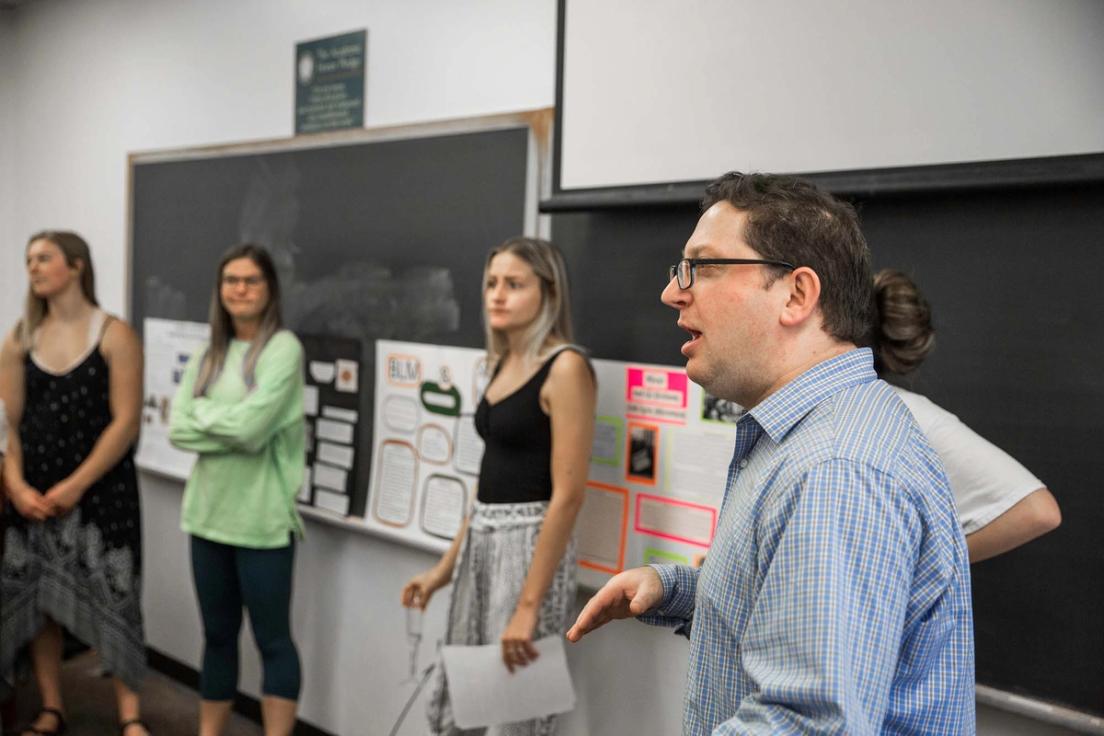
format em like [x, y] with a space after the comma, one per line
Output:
[1013, 278]
[376, 234]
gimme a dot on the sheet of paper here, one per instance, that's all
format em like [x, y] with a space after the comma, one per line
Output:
[329, 477]
[443, 504]
[600, 529]
[335, 502]
[327, 429]
[322, 372]
[336, 412]
[400, 413]
[434, 444]
[484, 693]
[469, 446]
[310, 400]
[397, 471]
[339, 455]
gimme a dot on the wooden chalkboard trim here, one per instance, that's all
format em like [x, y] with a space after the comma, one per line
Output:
[540, 121]
[1008, 174]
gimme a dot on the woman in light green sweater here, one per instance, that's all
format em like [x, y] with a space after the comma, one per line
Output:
[240, 407]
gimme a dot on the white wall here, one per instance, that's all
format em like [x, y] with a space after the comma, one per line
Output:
[85, 83]
[11, 272]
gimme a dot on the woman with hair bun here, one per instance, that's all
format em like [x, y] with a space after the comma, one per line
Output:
[1001, 505]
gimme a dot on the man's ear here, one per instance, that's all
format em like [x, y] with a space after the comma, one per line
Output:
[804, 296]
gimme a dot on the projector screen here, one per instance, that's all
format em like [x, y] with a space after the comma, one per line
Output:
[659, 91]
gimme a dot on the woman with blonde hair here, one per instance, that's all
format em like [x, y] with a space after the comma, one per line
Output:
[71, 382]
[512, 564]
[240, 407]
[1001, 505]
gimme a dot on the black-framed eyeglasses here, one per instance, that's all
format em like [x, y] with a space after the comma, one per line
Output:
[683, 271]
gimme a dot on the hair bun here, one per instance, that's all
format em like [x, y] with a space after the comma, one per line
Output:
[903, 331]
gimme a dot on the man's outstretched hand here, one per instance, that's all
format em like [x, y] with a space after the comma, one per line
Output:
[627, 594]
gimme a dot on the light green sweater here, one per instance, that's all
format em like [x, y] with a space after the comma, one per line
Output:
[251, 445]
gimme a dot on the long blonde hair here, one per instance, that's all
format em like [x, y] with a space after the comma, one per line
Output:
[75, 250]
[553, 321]
[222, 325]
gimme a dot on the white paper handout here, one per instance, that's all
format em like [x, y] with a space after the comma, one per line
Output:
[484, 693]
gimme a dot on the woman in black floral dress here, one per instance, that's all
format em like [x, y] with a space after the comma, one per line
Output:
[71, 380]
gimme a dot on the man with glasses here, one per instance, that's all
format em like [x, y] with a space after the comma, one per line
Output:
[836, 595]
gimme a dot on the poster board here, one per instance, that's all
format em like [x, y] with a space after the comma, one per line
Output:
[426, 453]
[169, 345]
[657, 470]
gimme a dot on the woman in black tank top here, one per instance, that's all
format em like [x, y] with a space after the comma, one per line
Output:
[513, 561]
[71, 384]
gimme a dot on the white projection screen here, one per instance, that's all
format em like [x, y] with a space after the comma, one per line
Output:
[658, 91]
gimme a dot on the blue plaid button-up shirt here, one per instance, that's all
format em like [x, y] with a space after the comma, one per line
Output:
[836, 595]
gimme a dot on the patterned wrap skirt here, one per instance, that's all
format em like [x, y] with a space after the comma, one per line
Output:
[487, 581]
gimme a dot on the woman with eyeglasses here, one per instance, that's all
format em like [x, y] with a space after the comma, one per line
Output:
[512, 564]
[240, 408]
[1001, 505]
[71, 382]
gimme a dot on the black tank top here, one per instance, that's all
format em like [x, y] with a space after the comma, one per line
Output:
[517, 458]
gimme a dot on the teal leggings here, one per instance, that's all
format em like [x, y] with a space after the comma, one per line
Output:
[226, 579]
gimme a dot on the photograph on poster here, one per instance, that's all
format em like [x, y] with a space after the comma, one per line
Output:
[640, 464]
[720, 410]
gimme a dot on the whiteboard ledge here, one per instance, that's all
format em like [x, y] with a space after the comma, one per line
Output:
[1039, 710]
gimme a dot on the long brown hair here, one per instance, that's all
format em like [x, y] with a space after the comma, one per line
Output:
[222, 325]
[554, 318]
[75, 250]
[903, 333]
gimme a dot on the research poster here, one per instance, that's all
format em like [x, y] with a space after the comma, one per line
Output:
[657, 470]
[331, 408]
[169, 345]
[426, 452]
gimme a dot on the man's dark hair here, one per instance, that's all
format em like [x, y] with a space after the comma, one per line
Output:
[792, 220]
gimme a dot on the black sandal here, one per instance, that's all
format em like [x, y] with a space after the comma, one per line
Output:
[61, 725]
[132, 722]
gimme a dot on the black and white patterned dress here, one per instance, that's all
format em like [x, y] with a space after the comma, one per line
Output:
[83, 570]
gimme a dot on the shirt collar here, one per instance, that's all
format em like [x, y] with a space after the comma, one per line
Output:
[782, 410]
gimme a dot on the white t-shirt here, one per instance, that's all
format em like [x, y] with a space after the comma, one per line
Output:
[986, 480]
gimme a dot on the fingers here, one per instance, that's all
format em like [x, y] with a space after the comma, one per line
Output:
[594, 614]
[630, 593]
[414, 595]
[518, 653]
